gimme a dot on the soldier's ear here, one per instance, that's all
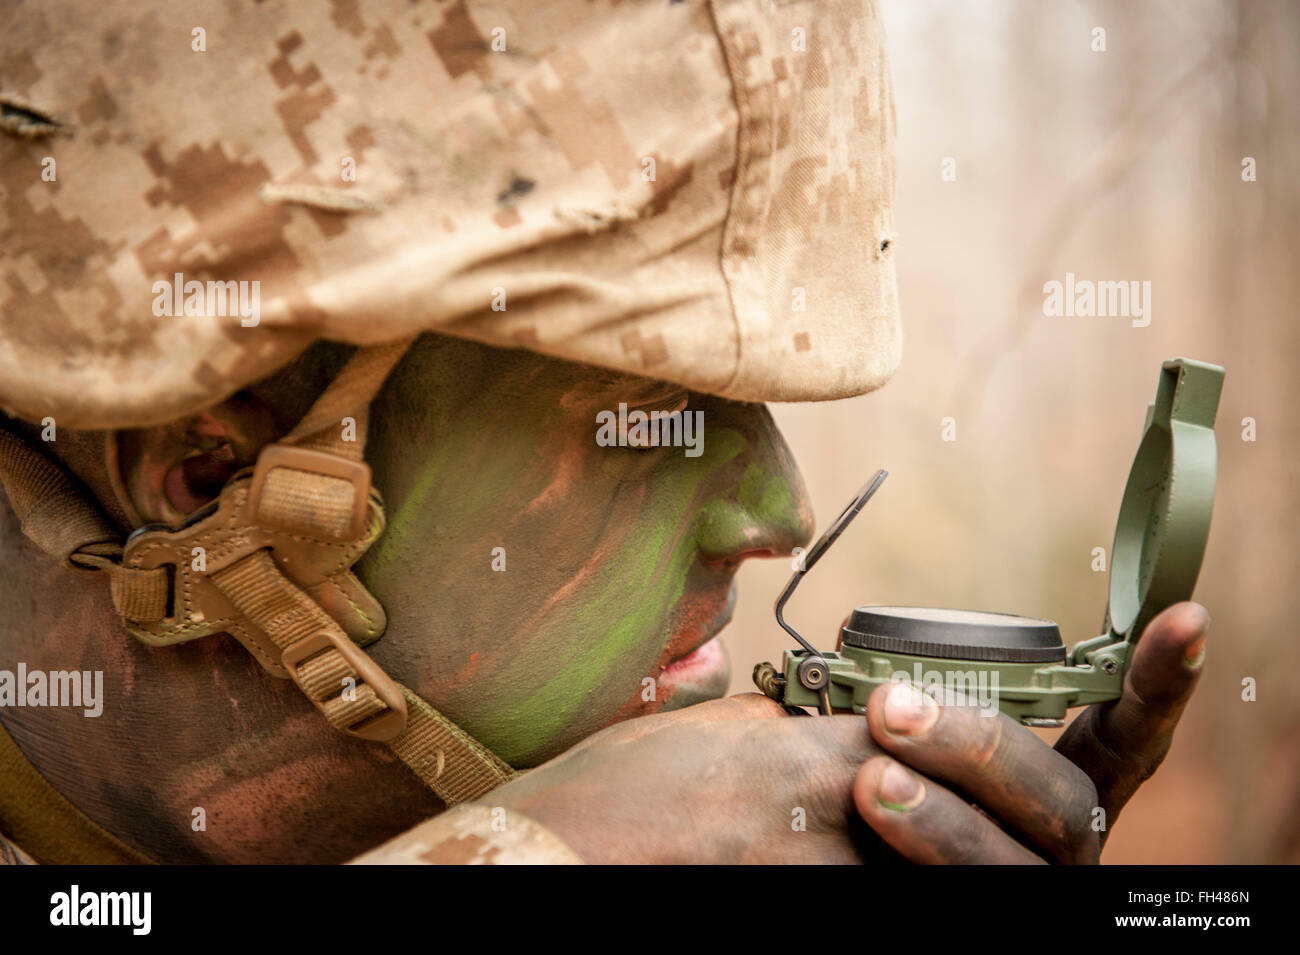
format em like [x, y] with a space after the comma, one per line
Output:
[165, 473]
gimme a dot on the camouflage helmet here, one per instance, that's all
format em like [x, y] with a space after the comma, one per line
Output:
[696, 192]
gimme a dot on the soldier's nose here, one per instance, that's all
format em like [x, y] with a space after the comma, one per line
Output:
[731, 533]
[767, 515]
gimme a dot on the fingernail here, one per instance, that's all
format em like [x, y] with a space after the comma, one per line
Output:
[908, 711]
[900, 791]
[1194, 652]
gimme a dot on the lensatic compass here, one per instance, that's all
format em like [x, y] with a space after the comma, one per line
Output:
[1160, 537]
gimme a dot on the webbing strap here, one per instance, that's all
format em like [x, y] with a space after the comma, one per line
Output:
[52, 506]
[349, 395]
[452, 763]
[449, 761]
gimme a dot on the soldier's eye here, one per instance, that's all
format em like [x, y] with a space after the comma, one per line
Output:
[669, 402]
[652, 421]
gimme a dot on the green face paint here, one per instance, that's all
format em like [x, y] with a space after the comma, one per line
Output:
[539, 585]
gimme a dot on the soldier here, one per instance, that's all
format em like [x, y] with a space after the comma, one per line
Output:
[523, 218]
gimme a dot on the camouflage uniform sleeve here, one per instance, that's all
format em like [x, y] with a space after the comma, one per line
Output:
[473, 834]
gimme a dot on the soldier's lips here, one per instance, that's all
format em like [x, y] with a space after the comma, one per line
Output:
[701, 664]
[704, 671]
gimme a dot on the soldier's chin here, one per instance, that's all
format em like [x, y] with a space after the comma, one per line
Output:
[704, 674]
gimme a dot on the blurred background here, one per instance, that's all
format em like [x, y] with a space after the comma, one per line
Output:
[1117, 165]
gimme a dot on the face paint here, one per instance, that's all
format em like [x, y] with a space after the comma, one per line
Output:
[618, 562]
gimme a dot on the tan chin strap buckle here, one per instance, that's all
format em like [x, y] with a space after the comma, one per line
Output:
[271, 565]
[363, 688]
[269, 562]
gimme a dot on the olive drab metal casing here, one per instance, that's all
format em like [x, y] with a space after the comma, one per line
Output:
[1021, 663]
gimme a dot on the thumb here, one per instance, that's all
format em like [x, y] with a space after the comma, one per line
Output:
[1168, 658]
[1121, 743]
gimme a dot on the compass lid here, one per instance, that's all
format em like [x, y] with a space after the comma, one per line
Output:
[1164, 516]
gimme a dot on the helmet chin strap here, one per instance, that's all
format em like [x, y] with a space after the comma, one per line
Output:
[269, 562]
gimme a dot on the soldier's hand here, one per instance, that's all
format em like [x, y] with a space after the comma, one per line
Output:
[733, 780]
[1036, 803]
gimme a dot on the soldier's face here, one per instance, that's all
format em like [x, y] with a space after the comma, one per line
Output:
[540, 585]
